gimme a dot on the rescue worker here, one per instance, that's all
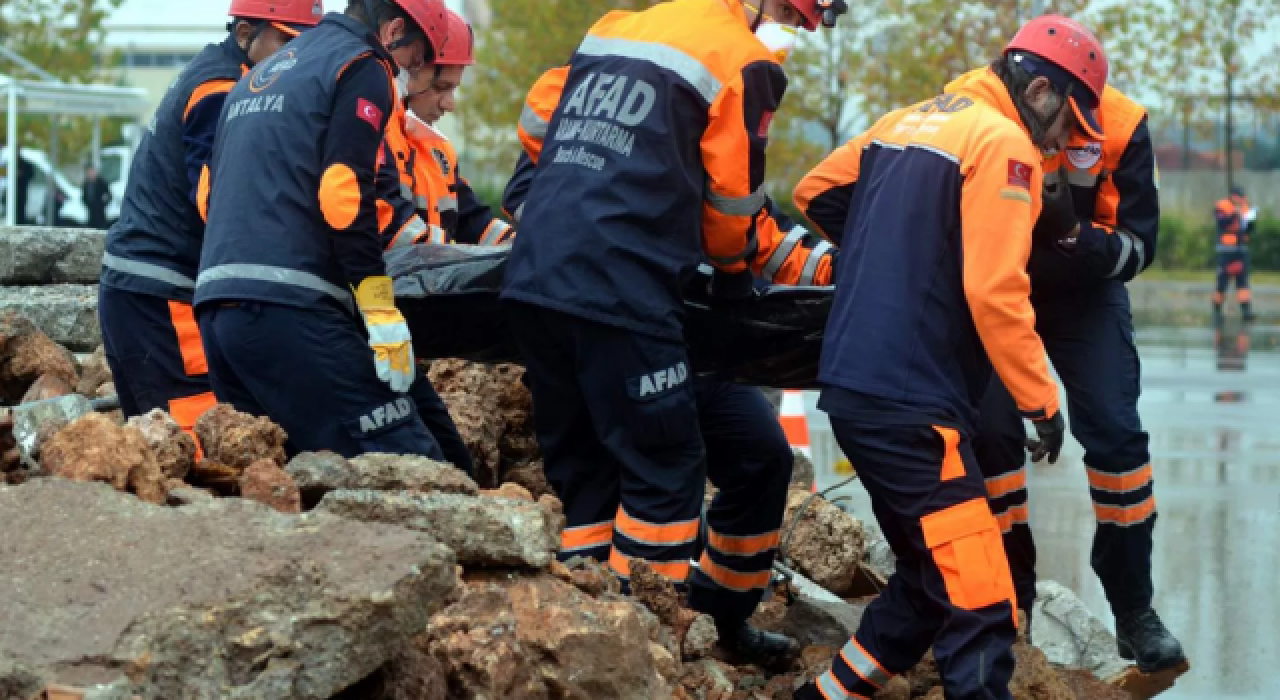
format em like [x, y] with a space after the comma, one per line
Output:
[293, 299]
[649, 152]
[1235, 220]
[149, 331]
[934, 208]
[402, 219]
[1098, 230]
[454, 211]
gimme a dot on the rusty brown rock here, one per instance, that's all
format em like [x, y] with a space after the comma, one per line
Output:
[660, 596]
[175, 450]
[492, 409]
[48, 386]
[530, 476]
[26, 354]
[265, 482]
[509, 490]
[826, 543]
[537, 637]
[896, 689]
[234, 439]
[94, 372]
[1086, 685]
[94, 448]
[411, 675]
[1033, 677]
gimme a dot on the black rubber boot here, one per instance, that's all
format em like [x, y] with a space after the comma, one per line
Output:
[748, 644]
[1143, 638]
[808, 691]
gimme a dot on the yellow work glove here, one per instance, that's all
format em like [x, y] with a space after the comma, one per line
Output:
[388, 333]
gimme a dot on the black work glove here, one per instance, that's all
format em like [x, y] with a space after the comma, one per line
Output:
[1050, 432]
[1058, 223]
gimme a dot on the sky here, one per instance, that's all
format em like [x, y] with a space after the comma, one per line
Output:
[195, 22]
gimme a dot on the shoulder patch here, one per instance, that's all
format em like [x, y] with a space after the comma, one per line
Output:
[1085, 156]
[1020, 174]
[441, 160]
[369, 112]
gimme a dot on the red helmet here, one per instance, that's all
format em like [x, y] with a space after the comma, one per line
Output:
[460, 48]
[1078, 56]
[819, 12]
[289, 16]
[431, 16]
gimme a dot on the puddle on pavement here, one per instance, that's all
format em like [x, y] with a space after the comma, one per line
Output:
[1210, 401]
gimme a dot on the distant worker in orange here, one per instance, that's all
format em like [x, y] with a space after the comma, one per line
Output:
[933, 209]
[1236, 220]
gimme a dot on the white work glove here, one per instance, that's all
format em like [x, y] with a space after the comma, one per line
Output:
[388, 333]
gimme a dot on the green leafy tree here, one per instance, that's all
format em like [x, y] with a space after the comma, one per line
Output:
[65, 38]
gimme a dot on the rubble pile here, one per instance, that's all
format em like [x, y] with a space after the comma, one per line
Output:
[493, 410]
[241, 574]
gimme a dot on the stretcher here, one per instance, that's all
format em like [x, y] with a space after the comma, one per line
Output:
[449, 297]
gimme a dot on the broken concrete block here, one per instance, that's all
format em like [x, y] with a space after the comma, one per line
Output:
[223, 599]
[814, 618]
[320, 473]
[67, 313]
[482, 531]
[1070, 635]
[825, 543]
[538, 637]
[41, 255]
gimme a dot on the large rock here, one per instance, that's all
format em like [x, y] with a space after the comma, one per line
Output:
[1070, 635]
[68, 313]
[95, 448]
[37, 255]
[319, 473]
[482, 531]
[175, 450]
[824, 543]
[523, 638]
[27, 354]
[225, 599]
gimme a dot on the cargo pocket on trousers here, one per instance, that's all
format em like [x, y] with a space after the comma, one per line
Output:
[371, 428]
[667, 418]
[967, 549]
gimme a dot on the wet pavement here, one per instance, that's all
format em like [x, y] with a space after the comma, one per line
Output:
[1211, 405]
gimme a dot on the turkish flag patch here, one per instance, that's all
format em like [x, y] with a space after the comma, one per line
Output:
[1020, 174]
[765, 120]
[369, 112]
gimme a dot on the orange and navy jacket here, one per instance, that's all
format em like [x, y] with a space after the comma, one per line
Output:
[401, 199]
[1233, 229]
[290, 195]
[1113, 185]
[649, 148]
[933, 209]
[154, 247]
[422, 196]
